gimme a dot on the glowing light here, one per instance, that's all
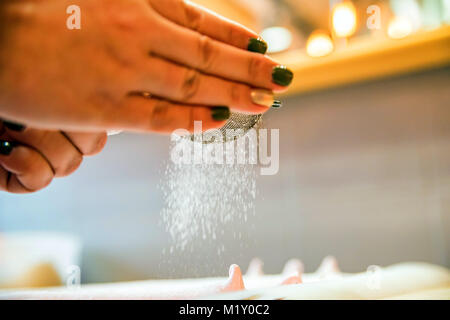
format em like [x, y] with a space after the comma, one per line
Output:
[344, 19]
[399, 27]
[277, 38]
[319, 44]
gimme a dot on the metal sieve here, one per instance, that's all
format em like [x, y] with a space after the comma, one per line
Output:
[238, 123]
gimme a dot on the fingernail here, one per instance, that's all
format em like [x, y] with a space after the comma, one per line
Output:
[277, 104]
[257, 45]
[262, 97]
[282, 76]
[13, 126]
[220, 113]
[6, 147]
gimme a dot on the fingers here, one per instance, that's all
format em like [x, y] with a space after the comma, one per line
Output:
[205, 22]
[63, 157]
[4, 179]
[137, 113]
[214, 57]
[28, 170]
[190, 86]
[88, 144]
[30, 158]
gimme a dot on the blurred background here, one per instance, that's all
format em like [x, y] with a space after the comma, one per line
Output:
[364, 160]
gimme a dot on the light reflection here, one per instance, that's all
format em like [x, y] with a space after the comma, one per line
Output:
[319, 44]
[277, 38]
[344, 19]
[399, 27]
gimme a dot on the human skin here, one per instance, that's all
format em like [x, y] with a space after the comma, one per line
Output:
[35, 157]
[186, 59]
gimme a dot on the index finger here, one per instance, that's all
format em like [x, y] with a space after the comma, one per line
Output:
[209, 23]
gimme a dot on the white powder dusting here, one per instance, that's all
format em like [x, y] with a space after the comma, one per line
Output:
[202, 199]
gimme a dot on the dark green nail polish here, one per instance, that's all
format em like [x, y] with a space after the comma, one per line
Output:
[277, 104]
[257, 45]
[220, 113]
[13, 126]
[6, 147]
[282, 76]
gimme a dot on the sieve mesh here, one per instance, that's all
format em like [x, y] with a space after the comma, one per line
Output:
[239, 123]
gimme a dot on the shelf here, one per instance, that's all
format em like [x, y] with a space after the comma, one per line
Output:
[368, 58]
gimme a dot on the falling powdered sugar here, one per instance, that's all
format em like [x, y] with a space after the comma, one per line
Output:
[203, 197]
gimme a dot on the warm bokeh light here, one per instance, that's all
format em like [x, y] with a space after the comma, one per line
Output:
[399, 27]
[277, 38]
[319, 44]
[344, 19]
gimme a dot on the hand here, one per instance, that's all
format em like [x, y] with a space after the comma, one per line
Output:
[180, 59]
[30, 158]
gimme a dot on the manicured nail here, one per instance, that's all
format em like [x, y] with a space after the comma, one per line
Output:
[14, 126]
[257, 45]
[220, 113]
[262, 97]
[6, 147]
[282, 76]
[277, 104]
